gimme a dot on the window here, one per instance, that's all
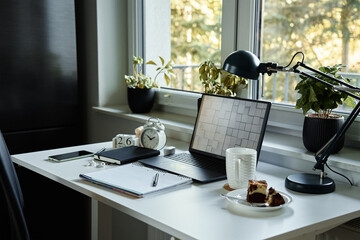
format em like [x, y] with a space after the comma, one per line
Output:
[286, 27]
[195, 37]
[191, 31]
[326, 31]
[188, 32]
[201, 37]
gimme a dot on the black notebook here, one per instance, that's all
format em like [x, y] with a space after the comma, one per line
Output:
[126, 154]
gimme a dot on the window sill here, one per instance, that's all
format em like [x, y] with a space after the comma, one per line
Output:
[279, 149]
[291, 147]
[174, 123]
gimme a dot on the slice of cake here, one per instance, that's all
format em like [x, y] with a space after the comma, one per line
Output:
[257, 191]
[274, 198]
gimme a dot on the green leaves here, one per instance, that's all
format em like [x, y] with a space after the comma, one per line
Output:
[151, 62]
[208, 71]
[139, 80]
[319, 97]
[165, 69]
[137, 60]
[162, 60]
[228, 83]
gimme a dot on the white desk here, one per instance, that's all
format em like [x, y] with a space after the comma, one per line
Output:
[198, 211]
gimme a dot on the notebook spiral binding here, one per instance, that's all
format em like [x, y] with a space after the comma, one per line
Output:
[155, 169]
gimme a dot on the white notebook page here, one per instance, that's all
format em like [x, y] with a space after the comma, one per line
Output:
[136, 178]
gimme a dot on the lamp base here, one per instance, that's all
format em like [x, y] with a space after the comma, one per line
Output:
[309, 183]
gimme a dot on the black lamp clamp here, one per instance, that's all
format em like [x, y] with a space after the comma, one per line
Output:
[269, 68]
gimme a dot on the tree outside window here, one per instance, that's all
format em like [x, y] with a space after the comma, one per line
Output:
[327, 31]
[195, 37]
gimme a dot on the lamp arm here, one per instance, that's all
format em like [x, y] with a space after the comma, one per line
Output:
[270, 68]
[322, 155]
[328, 76]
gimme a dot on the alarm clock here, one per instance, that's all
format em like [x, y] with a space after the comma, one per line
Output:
[153, 135]
[125, 140]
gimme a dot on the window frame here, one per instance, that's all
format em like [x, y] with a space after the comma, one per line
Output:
[232, 40]
[241, 30]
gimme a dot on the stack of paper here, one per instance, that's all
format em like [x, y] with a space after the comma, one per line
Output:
[135, 179]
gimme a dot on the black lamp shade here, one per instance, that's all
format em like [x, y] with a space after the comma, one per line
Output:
[243, 64]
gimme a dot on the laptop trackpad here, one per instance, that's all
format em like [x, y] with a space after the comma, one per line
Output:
[196, 173]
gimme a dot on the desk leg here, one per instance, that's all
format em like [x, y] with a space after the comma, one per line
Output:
[94, 219]
[156, 234]
[101, 221]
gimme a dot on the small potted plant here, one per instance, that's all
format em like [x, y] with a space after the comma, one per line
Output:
[320, 126]
[227, 85]
[141, 93]
[217, 81]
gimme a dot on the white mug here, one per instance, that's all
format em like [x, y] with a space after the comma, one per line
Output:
[240, 166]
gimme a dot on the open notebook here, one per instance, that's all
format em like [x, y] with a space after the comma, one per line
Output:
[135, 179]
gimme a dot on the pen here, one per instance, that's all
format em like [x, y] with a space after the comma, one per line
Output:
[156, 179]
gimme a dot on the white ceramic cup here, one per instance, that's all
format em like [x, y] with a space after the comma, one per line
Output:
[240, 166]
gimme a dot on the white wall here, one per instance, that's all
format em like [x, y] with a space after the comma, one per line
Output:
[112, 51]
[106, 59]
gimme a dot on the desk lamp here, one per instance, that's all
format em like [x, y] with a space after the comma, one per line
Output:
[246, 64]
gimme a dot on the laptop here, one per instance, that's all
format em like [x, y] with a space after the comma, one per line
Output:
[222, 122]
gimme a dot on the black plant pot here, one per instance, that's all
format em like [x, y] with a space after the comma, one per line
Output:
[318, 131]
[141, 100]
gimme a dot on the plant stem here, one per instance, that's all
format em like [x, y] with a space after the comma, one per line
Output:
[135, 74]
[158, 74]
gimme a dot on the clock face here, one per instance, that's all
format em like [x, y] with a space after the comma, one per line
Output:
[150, 138]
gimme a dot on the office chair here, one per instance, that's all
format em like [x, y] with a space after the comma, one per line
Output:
[13, 196]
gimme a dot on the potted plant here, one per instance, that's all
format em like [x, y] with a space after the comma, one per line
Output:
[141, 94]
[321, 126]
[227, 85]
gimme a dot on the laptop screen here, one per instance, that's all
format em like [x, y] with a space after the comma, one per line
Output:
[225, 122]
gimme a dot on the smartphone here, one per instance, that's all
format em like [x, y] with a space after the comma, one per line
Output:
[70, 156]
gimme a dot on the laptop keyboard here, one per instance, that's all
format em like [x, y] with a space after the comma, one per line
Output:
[198, 161]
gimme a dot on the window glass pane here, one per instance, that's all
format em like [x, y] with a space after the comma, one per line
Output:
[327, 31]
[195, 37]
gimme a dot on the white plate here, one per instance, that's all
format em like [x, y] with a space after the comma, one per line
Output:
[243, 204]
